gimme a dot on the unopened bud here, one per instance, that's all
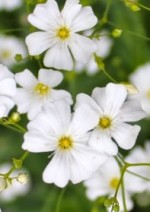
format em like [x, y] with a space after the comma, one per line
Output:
[18, 57]
[116, 208]
[116, 33]
[108, 203]
[3, 184]
[22, 178]
[15, 117]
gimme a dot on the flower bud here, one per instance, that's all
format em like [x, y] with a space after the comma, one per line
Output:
[116, 33]
[22, 178]
[108, 203]
[116, 208]
[15, 117]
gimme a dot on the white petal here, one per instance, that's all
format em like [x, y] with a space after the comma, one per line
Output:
[58, 170]
[125, 135]
[85, 99]
[23, 100]
[6, 104]
[45, 16]
[70, 11]
[50, 77]
[84, 119]
[131, 111]
[85, 161]
[102, 142]
[99, 96]
[8, 87]
[115, 97]
[37, 142]
[26, 79]
[61, 95]
[81, 47]
[38, 42]
[4, 72]
[59, 57]
[84, 20]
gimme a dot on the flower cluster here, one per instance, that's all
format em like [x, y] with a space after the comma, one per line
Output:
[83, 137]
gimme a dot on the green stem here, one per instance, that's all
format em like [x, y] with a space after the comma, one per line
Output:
[123, 196]
[143, 6]
[137, 164]
[120, 180]
[60, 200]
[109, 76]
[138, 175]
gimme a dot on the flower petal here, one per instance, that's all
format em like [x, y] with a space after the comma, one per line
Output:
[38, 42]
[131, 111]
[81, 47]
[59, 57]
[50, 77]
[84, 20]
[61, 95]
[37, 142]
[102, 142]
[5, 73]
[99, 96]
[84, 119]
[125, 135]
[26, 79]
[70, 11]
[58, 170]
[8, 87]
[6, 104]
[45, 16]
[115, 97]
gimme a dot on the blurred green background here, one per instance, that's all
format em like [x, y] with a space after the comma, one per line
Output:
[130, 50]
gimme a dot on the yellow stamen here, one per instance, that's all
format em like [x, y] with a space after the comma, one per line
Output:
[104, 122]
[65, 143]
[148, 94]
[63, 33]
[114, 182]
[41, 89]
[6, 54]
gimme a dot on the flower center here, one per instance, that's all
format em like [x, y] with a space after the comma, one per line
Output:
[41, 89]
[114, 182]
[6, 54]
[63, 33]
[104, 122]
[65, 143]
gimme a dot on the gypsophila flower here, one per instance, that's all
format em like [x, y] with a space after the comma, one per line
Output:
[105, 181]
[10, 5]
[139, 155]
[56, 130]
[141, 78]
[15, 188]
[59, 33]
[37, 92]
[9, 47]
[7, 91]
[113, 111]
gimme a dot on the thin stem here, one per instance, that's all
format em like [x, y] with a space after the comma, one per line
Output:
[123, 196]
[138, 164]
[138, 175]
[109, 76]
[120, 180]
[143, 6]
[128, 31]
[11, 30]
[60, 200]
[105, 15]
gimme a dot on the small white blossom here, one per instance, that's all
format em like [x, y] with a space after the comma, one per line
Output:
[7, 91]
[13, 189]
[141, 79]
[9, 47]
[59, 33]
[105, 182]
[10, 5]
[113, 114]
[57, 130]
[37, 92]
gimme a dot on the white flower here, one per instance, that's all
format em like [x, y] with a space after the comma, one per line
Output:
[105, 181]
[10, 5]
[59, 33]
[56, 129]
[15, 188]
[9, 47]
[141, 78]
[103, 44]
[37, 92]
[113, 111]
[139, 155]
[7, 91]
